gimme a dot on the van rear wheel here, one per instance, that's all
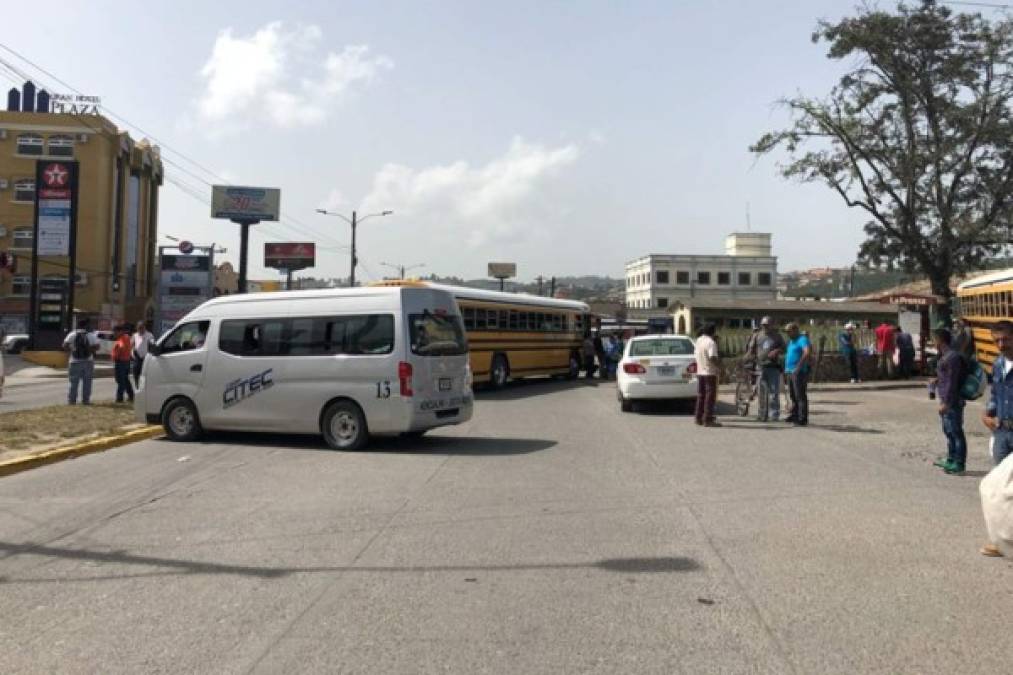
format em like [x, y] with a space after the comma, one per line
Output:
[344, 426]
[180, 420]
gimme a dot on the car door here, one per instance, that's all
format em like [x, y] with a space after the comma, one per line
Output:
[178, 369]
[240, 389]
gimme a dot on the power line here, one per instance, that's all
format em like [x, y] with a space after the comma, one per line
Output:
[287, 221]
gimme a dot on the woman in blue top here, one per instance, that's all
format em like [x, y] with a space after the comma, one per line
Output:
[796, 367]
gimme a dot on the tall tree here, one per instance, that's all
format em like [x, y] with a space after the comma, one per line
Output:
[918, 134]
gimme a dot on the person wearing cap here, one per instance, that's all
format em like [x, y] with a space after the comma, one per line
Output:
[846, 344]
[769, 352]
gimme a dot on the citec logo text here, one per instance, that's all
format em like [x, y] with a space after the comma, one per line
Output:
[238, 391]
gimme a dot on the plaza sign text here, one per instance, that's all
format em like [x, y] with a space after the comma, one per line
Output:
[76, 104]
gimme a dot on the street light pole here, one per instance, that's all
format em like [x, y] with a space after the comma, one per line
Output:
[354, 221]
[402, 269]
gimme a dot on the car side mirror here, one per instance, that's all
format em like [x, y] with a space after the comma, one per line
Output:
[154, 349]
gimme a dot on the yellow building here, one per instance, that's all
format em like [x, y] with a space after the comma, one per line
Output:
[117, 212]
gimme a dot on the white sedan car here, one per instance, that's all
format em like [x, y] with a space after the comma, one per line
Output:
[656, 367]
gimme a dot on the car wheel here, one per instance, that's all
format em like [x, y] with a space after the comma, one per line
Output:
[625, 404]
[500, 372]
[180, 420]
[344, 426]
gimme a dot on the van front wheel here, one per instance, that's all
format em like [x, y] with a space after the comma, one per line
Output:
[344, 426]
[180, 420]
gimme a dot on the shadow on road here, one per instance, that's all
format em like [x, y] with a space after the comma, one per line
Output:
[427, 445]
[534, 386]
[859, 388]
[177, 566]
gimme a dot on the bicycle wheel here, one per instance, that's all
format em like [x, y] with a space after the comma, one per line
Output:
[742, 394]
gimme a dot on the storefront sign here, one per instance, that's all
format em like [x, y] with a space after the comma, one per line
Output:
[54, 212]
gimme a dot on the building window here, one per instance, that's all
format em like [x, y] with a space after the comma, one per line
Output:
[21, 285]
[29, 144]
[24, 190]
[662, 277]
[61, 145]
[662, 302]
[763, 279]
[724, 278]
[682, 278]
[703, 278]
[745, 279]
[23, 238]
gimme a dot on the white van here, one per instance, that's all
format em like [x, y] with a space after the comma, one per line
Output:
[344, 363]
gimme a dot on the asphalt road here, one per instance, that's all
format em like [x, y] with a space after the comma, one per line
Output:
[22, 393]
[552, 534]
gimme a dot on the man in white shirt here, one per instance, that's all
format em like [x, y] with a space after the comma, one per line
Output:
[708, 367]
[141, 341]
[82, 345]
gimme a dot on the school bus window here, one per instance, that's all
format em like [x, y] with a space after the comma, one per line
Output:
[468, 313]
[479, 319]
[513, 319]
[492, 319]
[504, 318]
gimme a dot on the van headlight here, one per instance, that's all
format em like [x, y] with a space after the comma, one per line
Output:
[469, 379]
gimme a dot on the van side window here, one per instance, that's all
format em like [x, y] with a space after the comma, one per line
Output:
[186, 338]
[308, 336]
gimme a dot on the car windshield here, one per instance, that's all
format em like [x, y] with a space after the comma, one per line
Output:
[437, 334]
[661, 347]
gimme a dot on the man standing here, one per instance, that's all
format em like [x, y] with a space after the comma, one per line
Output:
[599, 352]
[885, 346]
[141, 340]
[998, 416]
[769, 351]
[905, 352]
[121, 354]
[708, 367]
[588, 350]
[796, 367]
[82, 345]
[949, 375]
[846, 344]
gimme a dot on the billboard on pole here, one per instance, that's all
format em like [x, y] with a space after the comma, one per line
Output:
[502, 270]
[233, 202]
[185, 281]
[290, 255]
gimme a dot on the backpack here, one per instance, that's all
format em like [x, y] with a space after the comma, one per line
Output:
[972, 387]
[81, 349]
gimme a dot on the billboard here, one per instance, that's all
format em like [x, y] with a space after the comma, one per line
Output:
[245, 203]
[53, 215]
[502, 270]
[290, 255]
[185, 281]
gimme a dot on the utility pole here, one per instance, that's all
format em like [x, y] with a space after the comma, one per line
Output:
[355, 220]
[402, 269]
[552, 287]
[539, 279]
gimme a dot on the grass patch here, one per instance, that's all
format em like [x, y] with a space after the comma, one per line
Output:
[43, 427]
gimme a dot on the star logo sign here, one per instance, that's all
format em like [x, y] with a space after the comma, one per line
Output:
[55, 175]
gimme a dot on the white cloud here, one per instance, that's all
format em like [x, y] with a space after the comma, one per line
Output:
[500, 200]
[278, 75]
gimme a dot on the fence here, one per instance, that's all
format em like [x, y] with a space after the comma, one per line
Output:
[732, 341]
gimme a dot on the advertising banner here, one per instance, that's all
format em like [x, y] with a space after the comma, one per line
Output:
[502, 270]
[185, 282]
[245, 203]
[290, 255]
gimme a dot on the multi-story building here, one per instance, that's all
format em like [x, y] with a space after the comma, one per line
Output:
[747, 271]
[117, 212]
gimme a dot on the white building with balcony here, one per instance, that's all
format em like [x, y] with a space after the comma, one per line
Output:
[747, 271]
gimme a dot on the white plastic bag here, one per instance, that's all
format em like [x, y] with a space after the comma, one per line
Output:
[997, 505]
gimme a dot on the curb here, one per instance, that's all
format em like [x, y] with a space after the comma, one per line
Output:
[20, 464]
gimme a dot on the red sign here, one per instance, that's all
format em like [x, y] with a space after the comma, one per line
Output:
[56, 182]
[290, 255]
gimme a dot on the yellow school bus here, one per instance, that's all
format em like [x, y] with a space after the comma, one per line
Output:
[513, 335]
[983, 301]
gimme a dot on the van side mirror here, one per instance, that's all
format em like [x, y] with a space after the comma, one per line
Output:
[154, 349]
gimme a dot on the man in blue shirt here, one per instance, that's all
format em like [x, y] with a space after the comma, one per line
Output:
[846, 344]
[796, 367]
[998, 415]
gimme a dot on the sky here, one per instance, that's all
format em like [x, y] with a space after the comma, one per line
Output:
[568, 137]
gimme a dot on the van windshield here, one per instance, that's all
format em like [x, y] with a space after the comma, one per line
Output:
[437, 334]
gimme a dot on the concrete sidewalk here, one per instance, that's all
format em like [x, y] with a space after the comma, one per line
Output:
[20, 372]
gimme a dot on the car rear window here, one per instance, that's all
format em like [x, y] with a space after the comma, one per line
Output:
[661, 347]
[437, 334]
